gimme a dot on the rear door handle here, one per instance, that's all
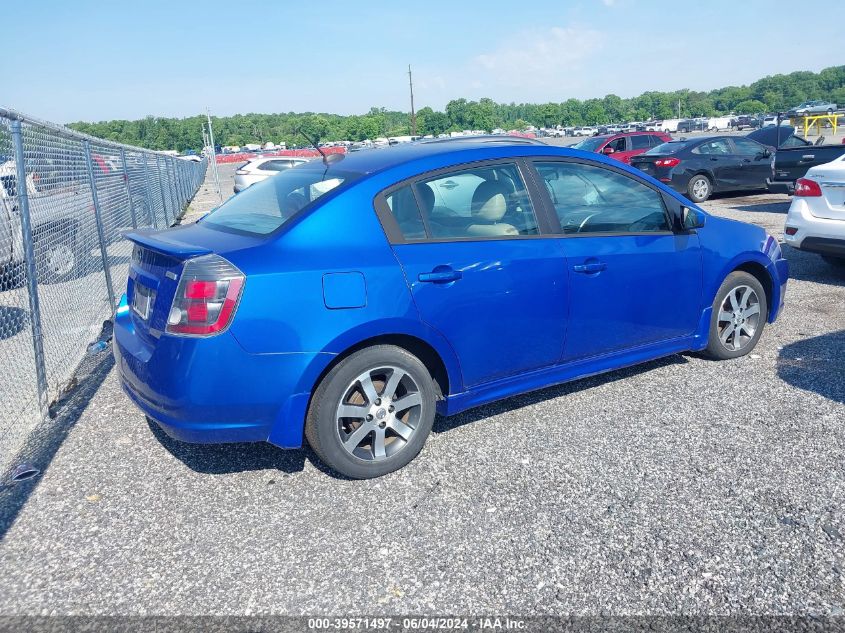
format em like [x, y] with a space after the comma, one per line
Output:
[595, 267]
[440, 276]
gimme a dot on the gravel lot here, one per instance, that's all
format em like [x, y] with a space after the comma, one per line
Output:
[679, 486]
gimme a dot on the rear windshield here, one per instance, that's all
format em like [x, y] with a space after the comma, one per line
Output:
[672, 147]
[267, 205]
[590, 144]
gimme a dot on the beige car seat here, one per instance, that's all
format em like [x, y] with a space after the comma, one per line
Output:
[489, 206]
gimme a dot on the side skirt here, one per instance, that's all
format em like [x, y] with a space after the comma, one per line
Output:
[557, 374]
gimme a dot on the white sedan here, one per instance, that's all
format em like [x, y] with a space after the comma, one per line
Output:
[258, 169]
[816, 218]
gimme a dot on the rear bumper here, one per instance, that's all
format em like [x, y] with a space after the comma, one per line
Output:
[824, 236]
[780, 186]
[210, 390]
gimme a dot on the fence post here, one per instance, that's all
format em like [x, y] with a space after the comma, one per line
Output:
[128, 191]
[98, 216]
[161, 190]
[177, 206]
[31, 279]
[148, 192]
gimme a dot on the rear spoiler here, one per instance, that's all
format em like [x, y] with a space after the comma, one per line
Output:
[165, 244]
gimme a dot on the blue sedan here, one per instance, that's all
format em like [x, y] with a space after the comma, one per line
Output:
[345, 302]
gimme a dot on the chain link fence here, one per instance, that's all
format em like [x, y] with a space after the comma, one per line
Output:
[66, 201]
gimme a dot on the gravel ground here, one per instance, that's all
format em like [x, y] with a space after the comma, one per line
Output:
[682, 486]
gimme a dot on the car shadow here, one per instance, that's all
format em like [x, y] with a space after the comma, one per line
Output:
[815, 364]
[811, 267]
[780, 208]
[444, 424]
[221, 459]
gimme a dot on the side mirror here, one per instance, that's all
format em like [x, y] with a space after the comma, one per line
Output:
[607, 151]
[691, 218]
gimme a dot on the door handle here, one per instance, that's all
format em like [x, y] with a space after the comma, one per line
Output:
[440, 276]
[714, 159]
[594, 267]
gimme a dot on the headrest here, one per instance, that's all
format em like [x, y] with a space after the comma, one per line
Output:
[426, 197]
[489, 202]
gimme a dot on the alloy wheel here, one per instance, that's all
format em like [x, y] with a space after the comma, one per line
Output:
[739, 318]
[700, 188]
[379, 413]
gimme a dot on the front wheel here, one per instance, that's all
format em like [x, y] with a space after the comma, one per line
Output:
[372, 412]
[739, 316]
[699, 188]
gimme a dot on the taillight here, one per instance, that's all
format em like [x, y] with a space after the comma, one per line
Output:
[806, 188]
[207, 297]
[791, 230]
[667, 162]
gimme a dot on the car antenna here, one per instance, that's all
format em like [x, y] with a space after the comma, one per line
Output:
[316, 143]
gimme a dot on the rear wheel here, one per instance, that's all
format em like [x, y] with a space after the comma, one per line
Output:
[739, 316]
[699, 188]
[372, 413]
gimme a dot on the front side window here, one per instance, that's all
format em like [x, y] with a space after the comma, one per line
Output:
[592, 199]
[481, 202]
[618, 145]
[267, 205]
[747, 147]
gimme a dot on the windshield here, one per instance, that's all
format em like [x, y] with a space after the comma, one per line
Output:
[267, 205]
[672, 147]
[590, 144]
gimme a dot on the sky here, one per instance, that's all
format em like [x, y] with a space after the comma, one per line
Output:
[75, 60]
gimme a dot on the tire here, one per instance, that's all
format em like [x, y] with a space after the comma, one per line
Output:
[699, 188]
[375, 439]
[739, 316]
[57, 258]
[836, 262]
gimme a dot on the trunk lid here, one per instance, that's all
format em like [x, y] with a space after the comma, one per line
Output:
[158, 258]
[646, 163]
[831, 179]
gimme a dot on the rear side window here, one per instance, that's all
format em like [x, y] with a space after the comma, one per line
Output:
[592, 199]
[483, 202]
[641, 142]
[403, 205]
[719, 147]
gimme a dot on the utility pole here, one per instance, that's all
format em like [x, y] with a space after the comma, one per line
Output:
[213, 156]
[413, 114]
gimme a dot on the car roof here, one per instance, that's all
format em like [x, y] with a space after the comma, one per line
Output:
[370, 161]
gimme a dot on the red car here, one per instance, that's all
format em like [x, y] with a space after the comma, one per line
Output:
[624, 145]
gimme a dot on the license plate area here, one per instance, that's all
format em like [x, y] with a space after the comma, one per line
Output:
[142, 300]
